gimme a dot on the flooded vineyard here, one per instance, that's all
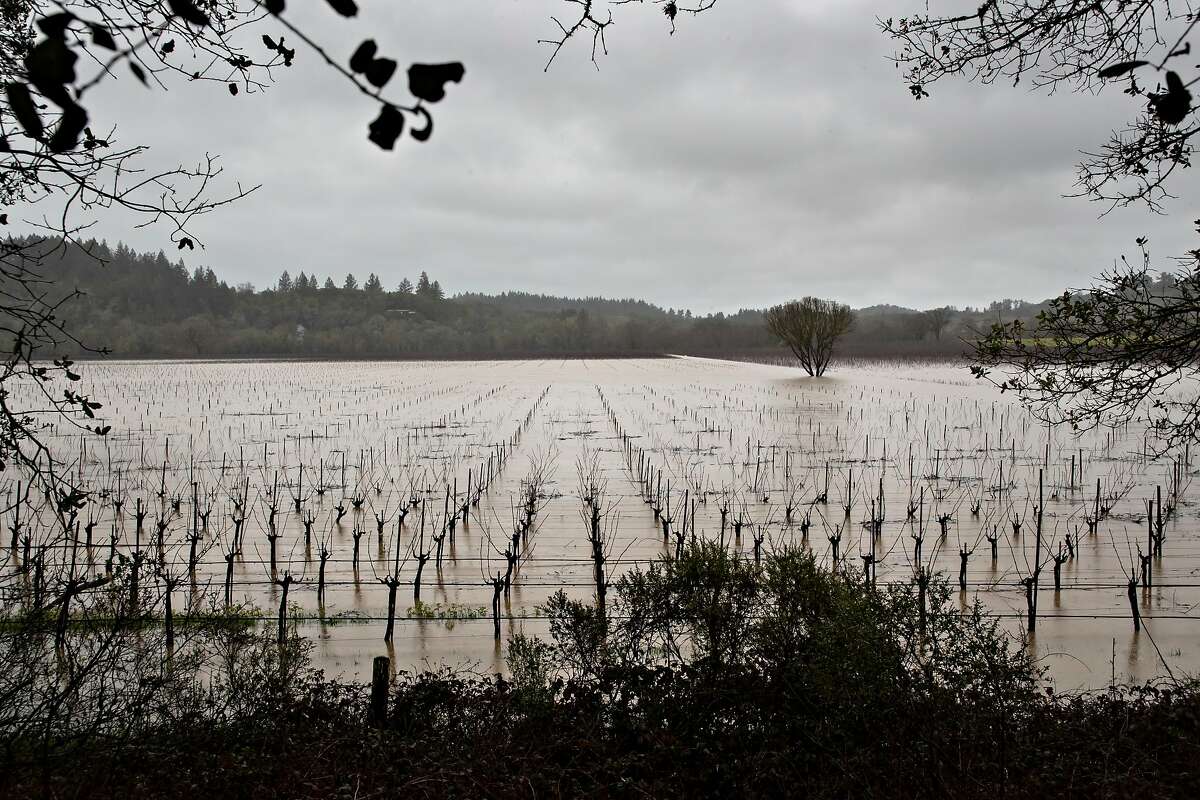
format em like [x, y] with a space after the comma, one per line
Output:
[464, 494]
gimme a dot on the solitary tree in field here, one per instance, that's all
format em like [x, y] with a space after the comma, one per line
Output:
[810, 327]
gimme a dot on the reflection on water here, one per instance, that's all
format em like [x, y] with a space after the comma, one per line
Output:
[399, 446]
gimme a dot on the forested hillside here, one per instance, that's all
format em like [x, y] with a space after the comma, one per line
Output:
[143, 305]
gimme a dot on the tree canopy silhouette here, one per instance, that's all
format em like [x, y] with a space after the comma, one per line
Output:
[1124, 348]
[1067, 44]
[810, 327]
[57, 147]
[53, 56]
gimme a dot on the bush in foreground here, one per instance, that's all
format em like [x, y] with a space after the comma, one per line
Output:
[710, 676]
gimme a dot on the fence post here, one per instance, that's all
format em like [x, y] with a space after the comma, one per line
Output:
[380, 671]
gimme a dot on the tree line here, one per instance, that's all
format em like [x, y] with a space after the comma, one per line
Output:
[373, 285]
[146, 305]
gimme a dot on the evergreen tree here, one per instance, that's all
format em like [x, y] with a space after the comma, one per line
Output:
[405, 287]
[285, 282]
[435, 291]
[423, 284]
[373, 284]
[351, 282]
[301, 282]
[329, 284]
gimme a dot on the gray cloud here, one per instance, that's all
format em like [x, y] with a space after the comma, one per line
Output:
[765, 151]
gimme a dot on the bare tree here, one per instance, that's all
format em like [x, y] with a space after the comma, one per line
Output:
[587, 19]
[1057, 44]
[914, 325]
[936, 320]
[1124, 350]
[810, 327]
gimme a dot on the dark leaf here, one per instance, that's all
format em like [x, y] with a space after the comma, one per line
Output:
[270, 43]
[51, 66]
[346, 8]
[101, 37]
[188, 12]
[423, 134]
[274, 6]
[428, 81]
[387, 127]
[364, 54]
[72, 122]
[186, 242]
[55, 25]
[1115, 70]
[233, 89]
[3, 219]
[1173, 106]
[25, 111]
[169, 47]
[138, 72]
[380, 72]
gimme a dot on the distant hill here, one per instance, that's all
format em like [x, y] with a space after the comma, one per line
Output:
[884, 310]
[629, 308]
[145, 304]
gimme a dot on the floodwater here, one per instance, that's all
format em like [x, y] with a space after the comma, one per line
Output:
[752, 436]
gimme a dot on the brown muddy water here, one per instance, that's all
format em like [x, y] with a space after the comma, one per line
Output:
[750, 437]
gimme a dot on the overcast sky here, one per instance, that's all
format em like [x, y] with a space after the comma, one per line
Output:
[766, 151]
